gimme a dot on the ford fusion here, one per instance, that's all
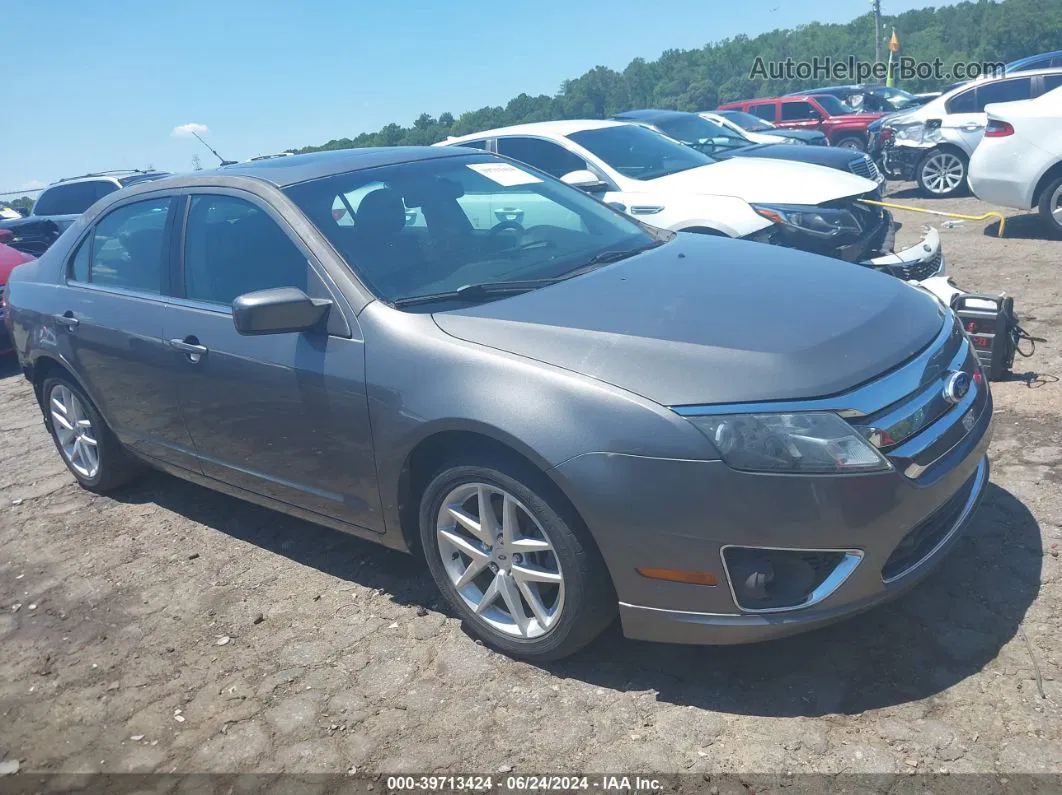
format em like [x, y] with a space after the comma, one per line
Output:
[570, 415]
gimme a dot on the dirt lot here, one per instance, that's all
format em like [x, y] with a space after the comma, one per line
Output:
[114, 614]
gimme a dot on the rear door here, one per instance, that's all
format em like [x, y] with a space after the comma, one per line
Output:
[109, 327]
[281, 415]
[768, 111]
[966, 119]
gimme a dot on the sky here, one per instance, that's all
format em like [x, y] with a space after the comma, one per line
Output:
[99, 85]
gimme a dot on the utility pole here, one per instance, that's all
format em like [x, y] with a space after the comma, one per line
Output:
[877, 30]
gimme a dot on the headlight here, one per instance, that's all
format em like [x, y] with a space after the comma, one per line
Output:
[910, 131]
[817, 221]
[812, 444]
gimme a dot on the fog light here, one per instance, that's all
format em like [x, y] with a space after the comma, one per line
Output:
[763, 579]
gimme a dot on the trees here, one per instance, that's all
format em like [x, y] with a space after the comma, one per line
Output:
[720, 72]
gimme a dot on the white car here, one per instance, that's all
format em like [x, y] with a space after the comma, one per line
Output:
[669, 185]
[1019, 163]
[932, 144]
[755, 137]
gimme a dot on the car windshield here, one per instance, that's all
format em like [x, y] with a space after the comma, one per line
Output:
[747, 121]
[435, 226]
[896, 97]
[832, 105]
[693, 129]
[639, 153]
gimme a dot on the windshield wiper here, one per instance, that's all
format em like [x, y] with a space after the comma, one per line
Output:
[474, 292]
[483, 290]
[606, 257]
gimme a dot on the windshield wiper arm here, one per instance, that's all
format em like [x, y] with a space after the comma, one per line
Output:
[606, 257]
[474, 292]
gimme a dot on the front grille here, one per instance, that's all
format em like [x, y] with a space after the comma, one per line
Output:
[921, 541]
[917, 271]
[864, 167]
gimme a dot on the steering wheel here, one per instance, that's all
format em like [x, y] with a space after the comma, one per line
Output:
[506, 226]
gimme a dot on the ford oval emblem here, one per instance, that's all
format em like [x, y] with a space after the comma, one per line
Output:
[956, 387]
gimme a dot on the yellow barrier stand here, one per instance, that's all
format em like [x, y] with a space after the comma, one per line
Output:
[909, 208]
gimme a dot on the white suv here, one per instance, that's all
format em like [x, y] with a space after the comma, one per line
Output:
[666, 184]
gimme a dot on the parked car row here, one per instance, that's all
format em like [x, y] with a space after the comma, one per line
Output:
[61, 204]
[568, 411]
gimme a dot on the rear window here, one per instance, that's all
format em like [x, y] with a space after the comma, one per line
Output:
[72, 199]
[1003, 91]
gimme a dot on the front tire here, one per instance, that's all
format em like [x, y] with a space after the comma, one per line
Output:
[512, 560]
[942, 173]
[87, 446]
[853, 142]
[1051, 207]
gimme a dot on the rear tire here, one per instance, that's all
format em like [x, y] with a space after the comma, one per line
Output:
[522, 572]
[87, 446]
[1051, 207]
[942, 173]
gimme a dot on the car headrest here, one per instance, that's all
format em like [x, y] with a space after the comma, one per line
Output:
[381, 212]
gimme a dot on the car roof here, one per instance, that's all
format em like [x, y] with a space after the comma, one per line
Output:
[284, 171]
[1016, 65]
[563, 127]
[106, 176]
[651, 114]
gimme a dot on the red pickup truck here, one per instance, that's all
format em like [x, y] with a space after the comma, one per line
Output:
[841, 125]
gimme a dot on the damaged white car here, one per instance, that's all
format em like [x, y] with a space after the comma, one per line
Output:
[669, 185]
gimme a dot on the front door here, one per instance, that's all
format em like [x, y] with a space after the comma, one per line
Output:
[108, 326]
[281, 415]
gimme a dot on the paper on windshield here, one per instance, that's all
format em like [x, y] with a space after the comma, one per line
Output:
[505, 174]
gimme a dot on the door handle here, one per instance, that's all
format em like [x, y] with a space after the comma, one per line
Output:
[67, 319]
[972, 126]
[190, 346]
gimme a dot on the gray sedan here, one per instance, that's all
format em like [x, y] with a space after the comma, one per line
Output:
[569, 414]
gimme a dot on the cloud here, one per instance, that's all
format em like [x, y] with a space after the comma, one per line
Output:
[33, 184]
[189, 129]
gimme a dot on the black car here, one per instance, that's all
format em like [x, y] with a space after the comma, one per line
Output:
[721, 143]
[868, 99]
[754, 124]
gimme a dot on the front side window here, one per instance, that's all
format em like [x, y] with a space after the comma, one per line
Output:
[126, 248]
[1051, 82]
[485, 220]
[833, 106]
[1003, 91]
[797, 111]
[234, 247]
[481, 144]
[639, 153]
[543, 155]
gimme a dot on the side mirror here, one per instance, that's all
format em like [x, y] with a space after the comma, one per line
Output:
[279, 310]
[585, 179]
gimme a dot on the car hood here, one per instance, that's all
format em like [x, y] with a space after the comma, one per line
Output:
[799, 135]
[765, 181]
[829, 156]
[713, 320]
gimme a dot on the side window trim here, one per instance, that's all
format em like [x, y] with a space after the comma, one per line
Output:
[88, 238]
[338, 323]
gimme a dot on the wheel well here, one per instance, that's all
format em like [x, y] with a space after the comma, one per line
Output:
[704, 230]
[431, 453]
[1052, 174]
[43, 367]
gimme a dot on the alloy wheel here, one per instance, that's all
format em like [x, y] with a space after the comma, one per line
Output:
[73, 429]
[943, 172]
[500, 560]
[1055, 205]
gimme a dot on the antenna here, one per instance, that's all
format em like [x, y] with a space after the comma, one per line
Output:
[224, 162]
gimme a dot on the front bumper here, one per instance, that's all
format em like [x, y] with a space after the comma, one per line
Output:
[651, 513]
[923, 260]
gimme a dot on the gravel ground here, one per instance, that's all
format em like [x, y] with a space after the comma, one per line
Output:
[170, 628]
